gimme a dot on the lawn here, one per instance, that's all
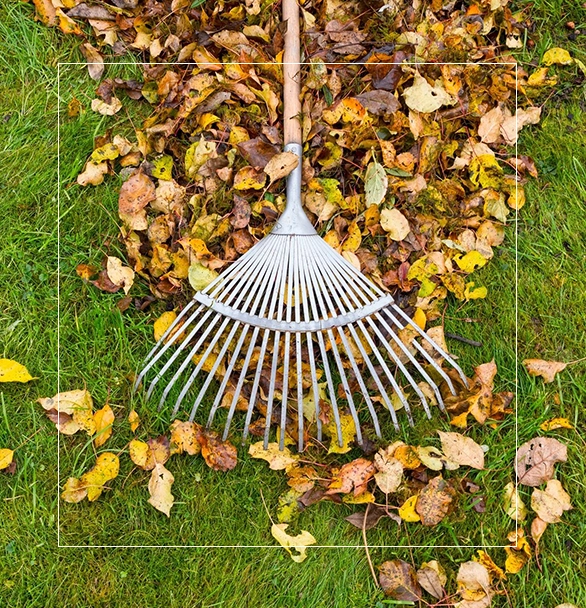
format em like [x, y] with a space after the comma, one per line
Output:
[101, 348]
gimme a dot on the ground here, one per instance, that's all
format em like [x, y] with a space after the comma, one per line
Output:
[101, 348]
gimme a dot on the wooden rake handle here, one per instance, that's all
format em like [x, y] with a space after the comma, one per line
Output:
[291, 74]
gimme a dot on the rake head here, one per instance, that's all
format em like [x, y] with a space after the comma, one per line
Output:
[262, 327]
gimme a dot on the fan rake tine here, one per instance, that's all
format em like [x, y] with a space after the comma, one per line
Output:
[298, 361]
[273, 381]
[322, 290]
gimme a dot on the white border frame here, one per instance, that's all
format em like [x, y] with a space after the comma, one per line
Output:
[514, 220]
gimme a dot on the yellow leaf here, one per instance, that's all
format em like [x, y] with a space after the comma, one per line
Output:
[361, 499]
[106, 468]
[419, 318]
[487, 561]
[348, 433]
[160, 489]
[184, 438]
[134, 420]
[78, 406]
[407, 511]
[472, 293]
[139, 452]
[11, 371]
[197, 154]
[163, 167]
[518, 553]
[485, 171]
[200, 276]
[248, 178]
[354, 238]
[74, 490]
[120, 275]
[513, 505]
[298, 543]
[238, 135]
[556, 423]
[471, 261]
[103, 419]
[107, 152]
[277, 459]
[557, 56]
[163, 323]
[6, 456]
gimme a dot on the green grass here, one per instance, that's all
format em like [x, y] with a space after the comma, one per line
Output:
[101, 348]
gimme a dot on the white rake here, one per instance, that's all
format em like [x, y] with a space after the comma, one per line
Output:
[292, 299]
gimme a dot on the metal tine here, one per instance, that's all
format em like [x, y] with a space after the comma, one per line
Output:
[311, 285]
[222, 353]
[436, 346]
[271, 395]
[345, 306]
[437, 368]
[216, 285]
[262, 290]
[265, 293]
[322, 290]
[282, 254]
[371, 368]
[306, 317]
[298, 360]
[398, 362]
[287, 336]
[242, 279]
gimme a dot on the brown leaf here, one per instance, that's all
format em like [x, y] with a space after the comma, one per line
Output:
[353, 475]
[546, 369]
[462, 450]
[95, 62]
[135, 194]
[85, 271]
[434, 501]
[398, 580]
[240, 213]
[432, 577]
[281, 165]
[159, 452]
[373, 516]
[550, 503]
[535, 460]
[257, 152]
[45, 11]
[219, 455]
[242, 240]
[474, 585]
[379, 102]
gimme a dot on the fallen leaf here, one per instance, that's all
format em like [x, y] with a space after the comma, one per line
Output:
[158, 453]
[281, 165]
[376, 184]
[11, 371]
[95, 62]
[432, 577]
[106, 468]
[184, 438]
[556, 423]
[353, 476]
[348, 430]
[278, 459]
[546, 369]
[163, 167]
[462, 450]
[134, 420]
[390, 472]
[200, 276]
[474, 585]
[407, 511]
[139, 452]
[103, 420]
[74, 490]
[107, 109]
[430, 457]
[518, 552]
[556, 56]
[487, 561]
[399, 581]
[422, 97]
[550, 503]
[538, 527]
[6, 457]
[513, 505]
[160, 489]
[434, 501]
[395, 224]
[93, 174]
[297, 543]
[219, 455]
[135, 194]
[71, 411]
[120, 275]
[372, 516]
[513, 124]
[163, 323]
[535, 460]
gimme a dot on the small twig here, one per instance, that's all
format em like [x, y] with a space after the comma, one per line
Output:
[376, 583]
[462, 339]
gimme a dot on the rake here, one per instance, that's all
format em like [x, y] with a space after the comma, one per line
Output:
[290, 302]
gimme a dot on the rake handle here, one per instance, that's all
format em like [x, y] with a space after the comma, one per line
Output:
[291, 75]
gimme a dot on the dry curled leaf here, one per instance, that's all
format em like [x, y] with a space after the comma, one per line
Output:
[399, 581]
[535, 460]
[434, 501]
[432, 577]
[462, 450]
[353, 476]
[160, 489]
[219, 455]
[513, 505]
[281, 165]
[546, 369]
[474, 585]
[550, 503]
[71, 411]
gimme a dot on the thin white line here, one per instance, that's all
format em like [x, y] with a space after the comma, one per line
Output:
[516, 282]
[59, 545]
[58, 293]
